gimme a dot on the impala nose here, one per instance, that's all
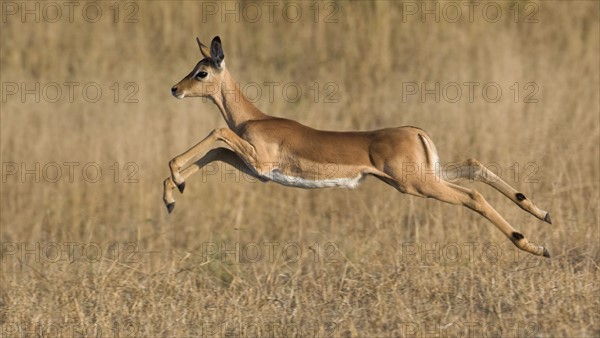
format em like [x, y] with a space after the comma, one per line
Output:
[173, 90]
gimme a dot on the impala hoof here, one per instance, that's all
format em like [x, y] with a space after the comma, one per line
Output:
[170, 207]
[546, 253]
[181, 187]
[547, 218]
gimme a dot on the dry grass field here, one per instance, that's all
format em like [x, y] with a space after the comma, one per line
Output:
[88, 126]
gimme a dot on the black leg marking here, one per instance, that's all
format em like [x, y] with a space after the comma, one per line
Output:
[520, 196]
[170, 207]
[546, 253]
[517, 236]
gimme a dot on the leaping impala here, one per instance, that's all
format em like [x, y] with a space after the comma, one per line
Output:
[284, 151]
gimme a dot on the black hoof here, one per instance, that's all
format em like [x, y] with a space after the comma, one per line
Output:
[170, 207]
[546, 253]
[181, 187]
[547, 218]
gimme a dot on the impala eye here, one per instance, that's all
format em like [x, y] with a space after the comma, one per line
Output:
[201, 75]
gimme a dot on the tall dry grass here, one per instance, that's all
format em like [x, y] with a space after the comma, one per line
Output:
[358, 274]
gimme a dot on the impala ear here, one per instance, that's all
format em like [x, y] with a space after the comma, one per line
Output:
[216, 51]
[203, 49]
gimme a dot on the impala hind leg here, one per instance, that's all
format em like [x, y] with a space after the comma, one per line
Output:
[473, 170]
[219, 154]
[472, 199]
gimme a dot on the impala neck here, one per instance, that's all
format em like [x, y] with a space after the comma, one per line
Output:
[234, 106]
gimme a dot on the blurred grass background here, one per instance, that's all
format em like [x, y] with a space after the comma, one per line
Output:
[369, 52]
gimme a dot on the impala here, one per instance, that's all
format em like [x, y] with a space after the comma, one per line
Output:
[284, 151]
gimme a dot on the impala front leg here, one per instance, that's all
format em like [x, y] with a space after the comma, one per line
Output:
[241, 147]
[219, 154]
[178, 162]
[237, 144]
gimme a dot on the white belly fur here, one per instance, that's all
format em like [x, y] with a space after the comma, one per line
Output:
[299, 182]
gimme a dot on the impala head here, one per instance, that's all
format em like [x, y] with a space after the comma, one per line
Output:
[206, 78]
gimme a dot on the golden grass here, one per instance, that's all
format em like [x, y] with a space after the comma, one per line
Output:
[364, 267]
